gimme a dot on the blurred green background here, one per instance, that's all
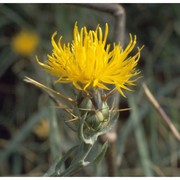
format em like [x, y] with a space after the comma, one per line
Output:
[145, 146]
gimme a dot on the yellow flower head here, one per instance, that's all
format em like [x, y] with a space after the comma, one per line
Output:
[24, 43]
[88, 62]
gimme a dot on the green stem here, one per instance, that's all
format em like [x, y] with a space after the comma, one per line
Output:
[78, 162]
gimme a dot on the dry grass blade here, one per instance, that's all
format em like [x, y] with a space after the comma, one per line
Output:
[161, 112]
